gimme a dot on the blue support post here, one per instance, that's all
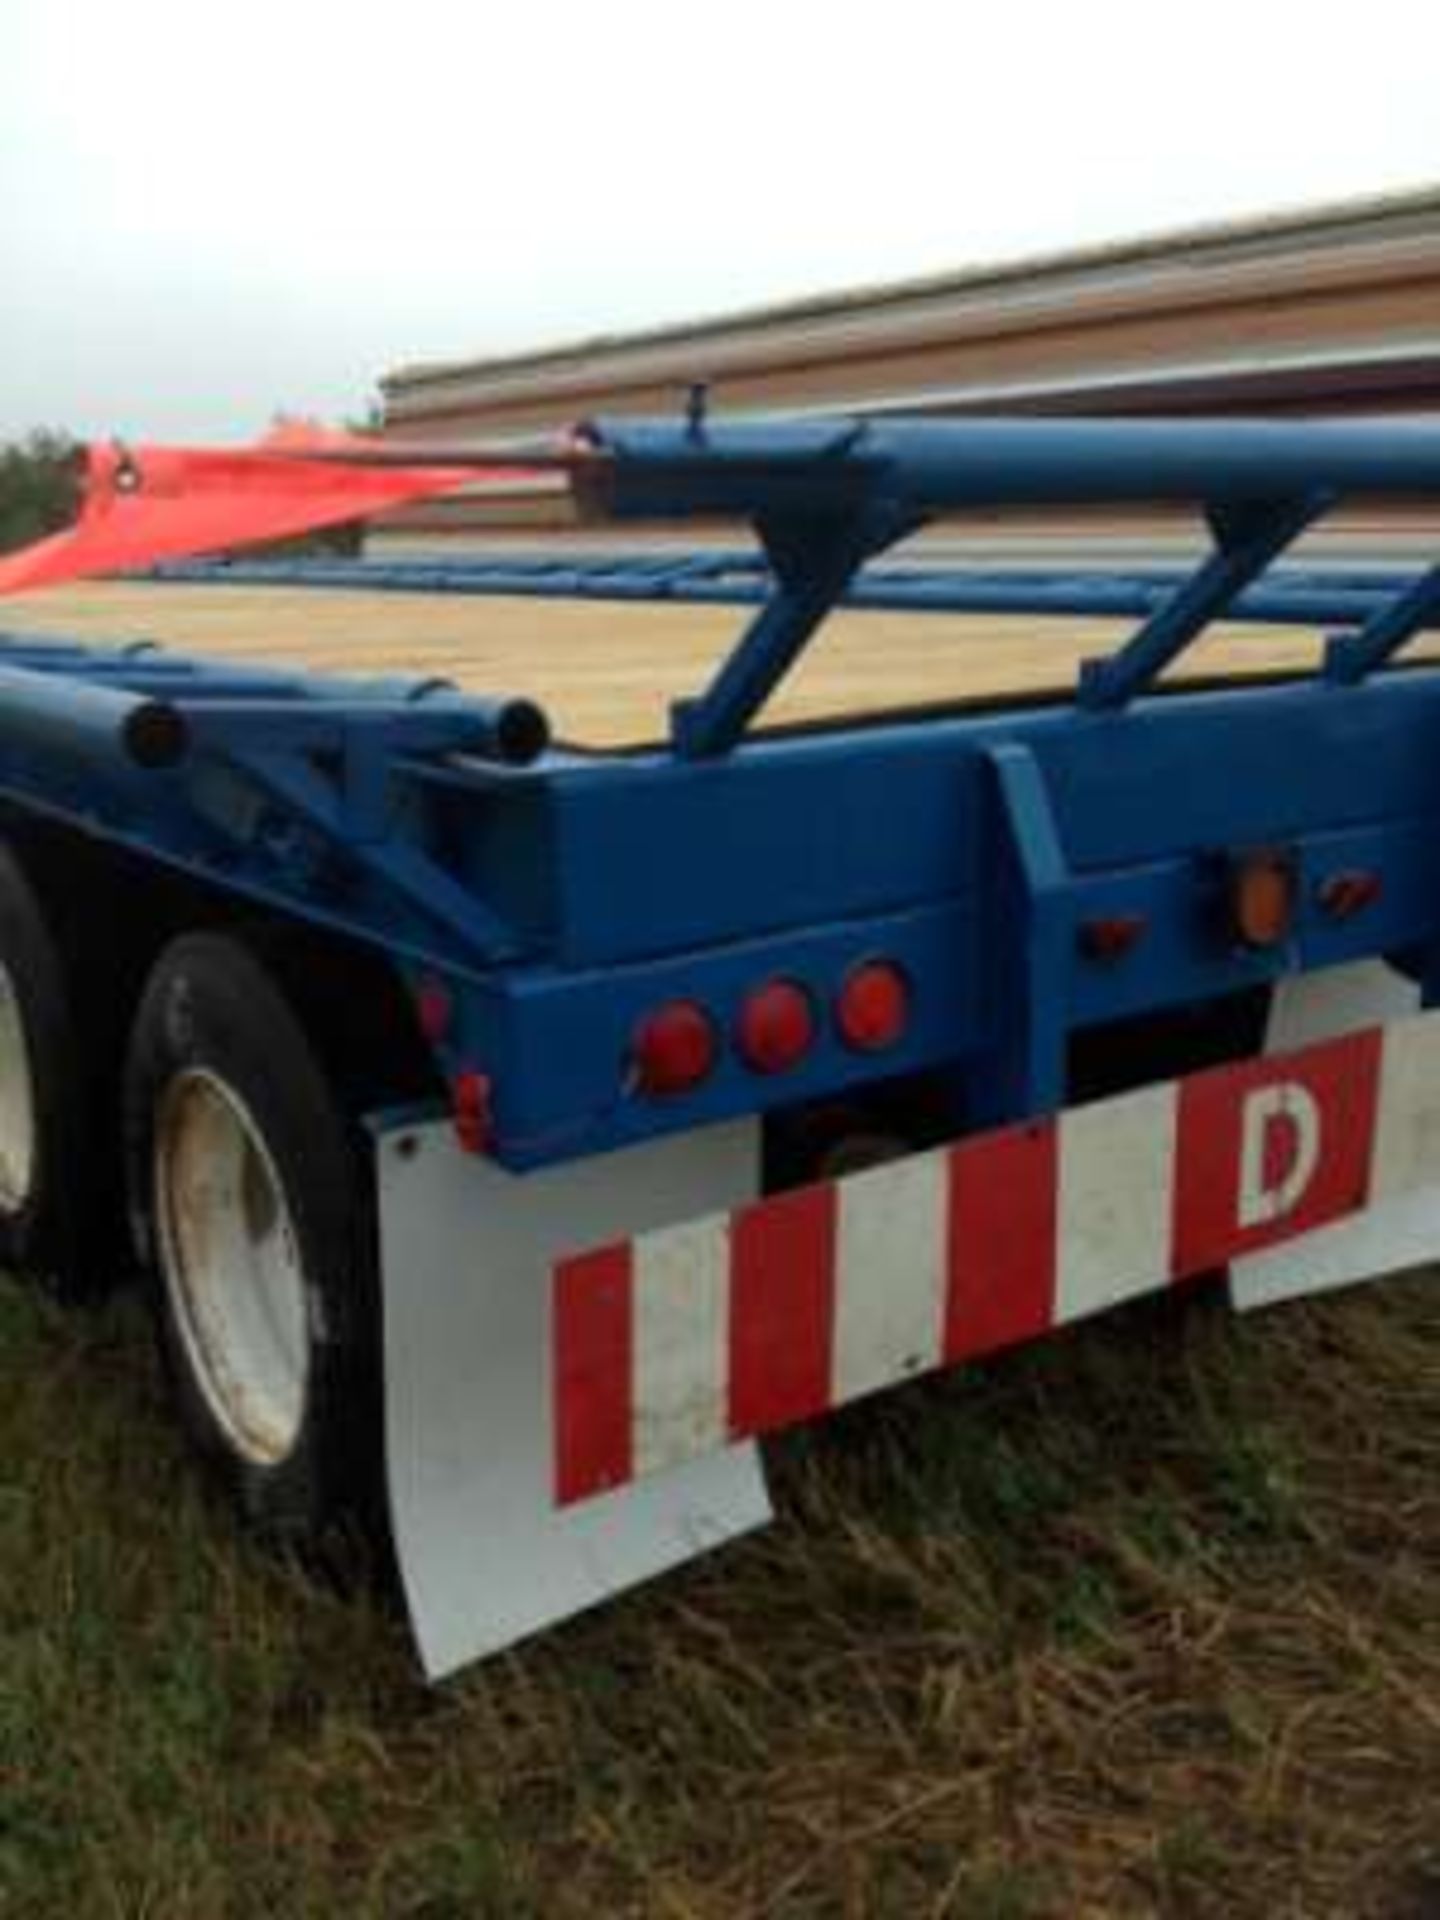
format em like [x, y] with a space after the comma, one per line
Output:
[814, 558]
[1247, 539]
[1349, 657]
[1023, 1071]
[710, 725]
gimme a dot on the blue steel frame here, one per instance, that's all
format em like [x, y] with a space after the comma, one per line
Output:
[555, 897]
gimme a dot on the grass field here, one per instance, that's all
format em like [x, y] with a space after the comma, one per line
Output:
[1146, 1621]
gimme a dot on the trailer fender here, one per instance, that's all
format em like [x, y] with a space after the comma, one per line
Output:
[1389, 1237]
[485, 1556]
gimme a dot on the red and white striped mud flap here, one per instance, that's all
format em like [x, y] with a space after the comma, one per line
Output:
[1391, 1234]
[671, 1343]
[485, 1555]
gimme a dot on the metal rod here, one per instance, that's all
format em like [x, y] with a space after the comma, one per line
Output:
[99, 723]
[513, 731]
[656, 469]
[1287, 597]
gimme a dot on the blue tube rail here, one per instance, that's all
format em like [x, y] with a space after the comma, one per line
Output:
[1290, 596]
[691, 468]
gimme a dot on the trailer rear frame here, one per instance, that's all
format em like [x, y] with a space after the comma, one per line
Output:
[529, 926]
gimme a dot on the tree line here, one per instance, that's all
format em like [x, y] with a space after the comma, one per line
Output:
[39, 486]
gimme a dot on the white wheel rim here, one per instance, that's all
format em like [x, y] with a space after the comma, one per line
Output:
[230, 1261]
[17, 1102]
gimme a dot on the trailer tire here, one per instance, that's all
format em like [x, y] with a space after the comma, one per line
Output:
[252, 1198]
[52, 1157]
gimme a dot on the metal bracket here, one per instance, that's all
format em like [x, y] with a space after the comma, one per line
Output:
[400, 867]
[1247, 538]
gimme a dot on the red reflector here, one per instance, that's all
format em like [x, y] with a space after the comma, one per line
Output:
[776, 1027]
[873, 1006]
[674, 1048]
[1111, 936]
[1342, 894]
[470, 1107]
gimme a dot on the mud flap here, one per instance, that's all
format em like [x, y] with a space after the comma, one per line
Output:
[485, 1555]
[1400, 1234]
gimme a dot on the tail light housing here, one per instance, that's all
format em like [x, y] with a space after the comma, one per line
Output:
[872, 1009]
[1264, 894]
[776, 1027]
[674, 1048]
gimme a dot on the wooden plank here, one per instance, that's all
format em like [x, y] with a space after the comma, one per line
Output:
[608, 672]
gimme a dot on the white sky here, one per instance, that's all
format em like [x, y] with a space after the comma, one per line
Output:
[211, 212]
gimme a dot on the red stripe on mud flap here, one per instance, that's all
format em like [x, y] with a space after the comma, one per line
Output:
[1001, 1240]
[1273, 1148]
[593, 1336]
[782, 1310]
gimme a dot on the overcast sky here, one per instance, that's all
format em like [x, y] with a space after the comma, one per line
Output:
[210, 213]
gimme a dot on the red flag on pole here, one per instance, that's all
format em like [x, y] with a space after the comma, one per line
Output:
[145, 504]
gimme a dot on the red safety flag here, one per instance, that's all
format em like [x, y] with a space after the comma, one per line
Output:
[145, 504]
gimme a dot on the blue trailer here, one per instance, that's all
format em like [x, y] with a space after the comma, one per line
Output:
[514, 1134]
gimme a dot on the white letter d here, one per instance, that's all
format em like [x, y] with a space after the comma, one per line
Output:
[1261, 1203]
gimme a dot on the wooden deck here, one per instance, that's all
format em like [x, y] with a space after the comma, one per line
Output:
[608, 672]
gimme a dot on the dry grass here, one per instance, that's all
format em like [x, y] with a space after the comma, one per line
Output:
[1146, 1621]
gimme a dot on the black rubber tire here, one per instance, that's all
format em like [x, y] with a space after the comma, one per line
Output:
[211, 1002]
[67, 1234]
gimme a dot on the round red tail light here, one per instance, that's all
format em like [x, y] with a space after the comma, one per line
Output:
[776, 1027]
[873, 1006]
[674, 1048]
